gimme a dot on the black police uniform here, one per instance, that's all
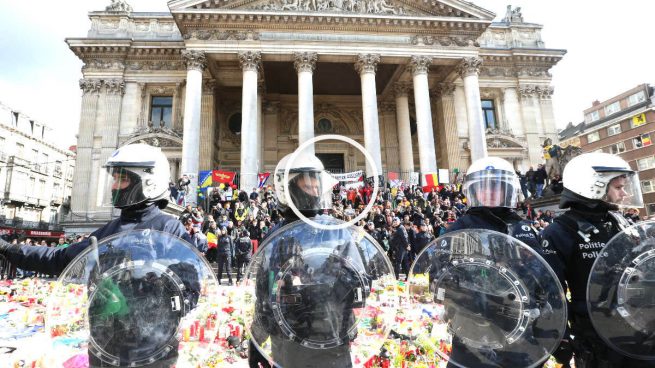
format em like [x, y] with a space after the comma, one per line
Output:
[52, 261]
[570, 245]
[292, 355]
[503, 220]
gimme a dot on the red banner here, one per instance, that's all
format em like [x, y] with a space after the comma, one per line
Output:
[6, 231]
[44, 234]
[220, 176]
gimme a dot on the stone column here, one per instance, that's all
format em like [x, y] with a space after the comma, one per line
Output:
[260, 132]
[547, 113]
[195, 63]
[250, 63]
[468, 69]
[445, 93]
[82, 174]
[512, 111]
[305, 63]
[366, 66]
[529, 111]
[401, 90]
[207, 125]
[419, 66]
[114, 90]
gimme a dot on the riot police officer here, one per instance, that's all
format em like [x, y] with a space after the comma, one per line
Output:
[137, 181]
[492, 189]
[596, 185]
[306, 189]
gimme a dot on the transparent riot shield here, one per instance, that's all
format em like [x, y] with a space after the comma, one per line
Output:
[139, 298]
[320, 298]
[480, 298]
[621, 292]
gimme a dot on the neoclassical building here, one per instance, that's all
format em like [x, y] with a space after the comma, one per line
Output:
[238, 84]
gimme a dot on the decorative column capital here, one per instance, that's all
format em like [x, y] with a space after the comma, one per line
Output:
[305, 61]
[208, 86]
[469, 66]
[367, 63]
[401, 89]
[444, 90]
[271, 107]
[115, 86]
[90, 85]
[194, 59]
[250, 60]
[419, 64]
[546, 92]
[527, 91]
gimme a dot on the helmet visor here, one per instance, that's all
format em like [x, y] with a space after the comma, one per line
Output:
[624, 191]
[492, 188]
[311, 190]
[122, 187]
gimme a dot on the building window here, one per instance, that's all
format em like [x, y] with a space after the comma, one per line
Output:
[614, 129]
[593, 116]
[612, 108]
[617, 148]
[642, 141]
[647, 186]
[489, 113]
[324, 125]
[234, 123]
[593, 137]
[651, 208]
[20, 150]
[646, 163]
[636, 98]
[161, 111]
[58, 170]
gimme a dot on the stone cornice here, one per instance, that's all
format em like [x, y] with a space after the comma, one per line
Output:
[367, 63]
[194, 59]
[305, 61]
[190, 20]
[469, 66]
[250, 60]
[419, 64]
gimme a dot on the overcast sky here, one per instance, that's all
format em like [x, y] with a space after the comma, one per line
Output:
[609, 51]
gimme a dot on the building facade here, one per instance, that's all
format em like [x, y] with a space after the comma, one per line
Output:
[36, 178]
[623, 126]
[237, 85]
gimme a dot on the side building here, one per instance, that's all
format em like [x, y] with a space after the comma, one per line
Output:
[622, 125]
[36, 178]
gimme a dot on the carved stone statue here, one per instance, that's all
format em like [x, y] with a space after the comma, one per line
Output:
[119, 6]
[513, 15]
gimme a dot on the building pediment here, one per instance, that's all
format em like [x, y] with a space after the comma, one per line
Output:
[441, 8]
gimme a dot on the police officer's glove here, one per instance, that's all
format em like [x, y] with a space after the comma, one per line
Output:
[5, 248]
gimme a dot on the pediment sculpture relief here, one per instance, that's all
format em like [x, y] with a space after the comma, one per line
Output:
[344, 6]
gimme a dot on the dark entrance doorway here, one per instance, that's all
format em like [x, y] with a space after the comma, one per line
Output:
[333, 162]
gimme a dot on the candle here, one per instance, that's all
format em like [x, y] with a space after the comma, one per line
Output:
[193, 330]
[201, 334]
[186, 334]
[196, 324]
